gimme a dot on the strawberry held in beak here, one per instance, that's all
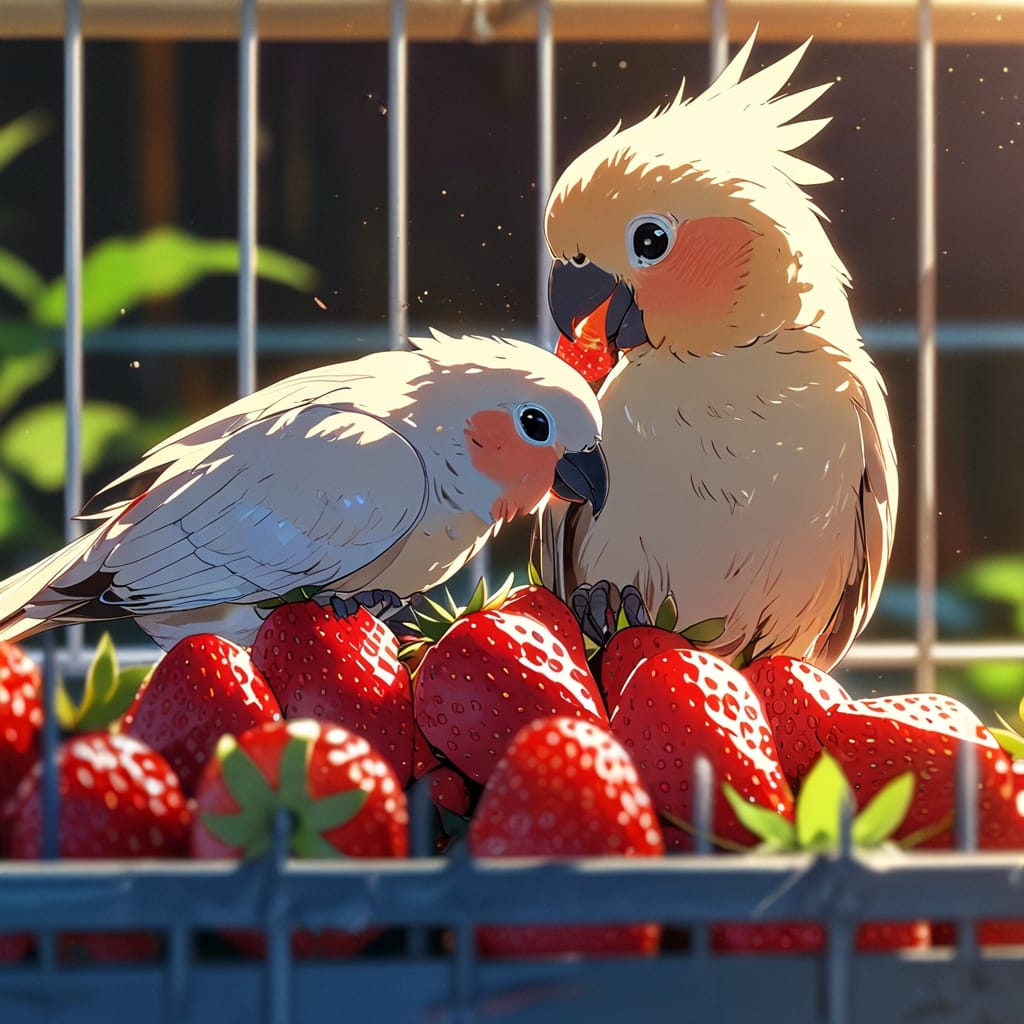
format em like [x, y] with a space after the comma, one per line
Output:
[595, 313]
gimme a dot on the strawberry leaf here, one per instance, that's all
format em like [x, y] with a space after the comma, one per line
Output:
[108, 693]
[819, 805]
[1010, 740]
[293, 791]
[331, 812]
[770, 827]
[704, 632]
[533, 573]
[885, 812]
[668, 614]
[247, 831]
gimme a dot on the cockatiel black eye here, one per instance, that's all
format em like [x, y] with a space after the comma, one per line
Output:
[534, 424]
[580, 260]
[649, 239]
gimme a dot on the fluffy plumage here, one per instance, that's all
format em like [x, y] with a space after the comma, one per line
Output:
[387, 472]
[748, 437]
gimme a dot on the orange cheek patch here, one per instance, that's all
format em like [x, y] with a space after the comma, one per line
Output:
[705, 269]
[524, 471]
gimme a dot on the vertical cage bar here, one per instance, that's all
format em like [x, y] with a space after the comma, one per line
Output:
[719, 57]
[398, 175]
[74, 191]
[248, 73]
[927, 510]
[545, 162]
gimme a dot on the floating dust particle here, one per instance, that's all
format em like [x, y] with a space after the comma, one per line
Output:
[135, 364]
[382, 110]
[123, 311]
[320, 302]
[444, 191]
[623, 64]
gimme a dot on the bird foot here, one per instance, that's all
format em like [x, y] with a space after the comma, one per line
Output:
[381, 604]
[601, 609]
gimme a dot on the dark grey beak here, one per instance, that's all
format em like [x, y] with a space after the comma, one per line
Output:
[575, 292]
[583, 476]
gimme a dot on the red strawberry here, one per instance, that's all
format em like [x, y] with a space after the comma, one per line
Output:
[203, 687]
[795, 697]
[343, 670]
[590, 356]
[810, 937]
[21, 716]
[343, 797]
[118, 798]
[565, 788]
[545, 607]
[875, 740]
[627, 648]
[686, 703]
[490, 674]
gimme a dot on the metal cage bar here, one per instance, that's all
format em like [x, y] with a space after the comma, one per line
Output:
[248, 98]
[927, 502]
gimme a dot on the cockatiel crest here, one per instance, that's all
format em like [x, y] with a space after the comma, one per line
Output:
[745, 426]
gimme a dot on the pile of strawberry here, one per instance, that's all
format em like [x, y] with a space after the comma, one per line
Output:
[528, 743]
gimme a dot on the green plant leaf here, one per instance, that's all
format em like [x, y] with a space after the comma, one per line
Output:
[15, 519]
[121, 273]
[331, 812]
[999, 578]
[884, 812]
[22, 133]
[19, 278]
[33, 444]
[818, 805]
[21, 372]
[769, 826]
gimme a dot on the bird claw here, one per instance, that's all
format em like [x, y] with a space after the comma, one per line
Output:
[598, 608]
[381, 604]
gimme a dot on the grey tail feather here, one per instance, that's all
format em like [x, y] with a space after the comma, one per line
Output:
[19, 593]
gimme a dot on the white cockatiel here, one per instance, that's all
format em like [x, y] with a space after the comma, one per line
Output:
[745, 426]
[386, 473]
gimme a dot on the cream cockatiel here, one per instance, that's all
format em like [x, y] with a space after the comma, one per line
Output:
[751, 456]
[387, 473]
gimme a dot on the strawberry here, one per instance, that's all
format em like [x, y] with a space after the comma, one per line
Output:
[627, 648]
[565, 788]
[491, 673]
[589, 355]
[342, 670]
[877, 739]
[686, 703]
[343, 797]
[810, 937]
[816, 829]
[203, 687]
[795, 697]
[118, 798]
[21, 716]
[545, 607]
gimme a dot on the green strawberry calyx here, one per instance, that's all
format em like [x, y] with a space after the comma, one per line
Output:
[249, 830]
[440, 619]
[108, 692]
[817, 819]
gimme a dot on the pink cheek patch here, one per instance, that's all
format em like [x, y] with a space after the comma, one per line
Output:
[705, 269]
[524, 471]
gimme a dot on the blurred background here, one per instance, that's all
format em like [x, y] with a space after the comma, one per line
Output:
[161, 150]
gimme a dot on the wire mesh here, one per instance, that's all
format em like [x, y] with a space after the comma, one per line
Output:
[426, 896]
